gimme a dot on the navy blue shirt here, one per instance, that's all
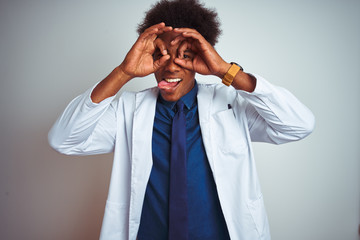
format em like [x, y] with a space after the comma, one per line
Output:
[206, 220]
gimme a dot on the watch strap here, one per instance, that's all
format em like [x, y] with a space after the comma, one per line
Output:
[231, 73]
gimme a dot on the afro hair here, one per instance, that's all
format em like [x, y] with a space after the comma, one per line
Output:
[184, 13]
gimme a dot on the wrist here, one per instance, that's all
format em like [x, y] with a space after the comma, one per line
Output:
[122, 74]
[244, 81]
[231, 73]
[224, 68]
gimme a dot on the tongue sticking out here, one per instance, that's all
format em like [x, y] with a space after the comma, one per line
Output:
[164, 84]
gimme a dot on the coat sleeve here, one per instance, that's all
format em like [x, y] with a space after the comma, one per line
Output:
[275, 115]
[85, 128]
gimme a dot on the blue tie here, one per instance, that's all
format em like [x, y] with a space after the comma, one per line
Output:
[178, 209]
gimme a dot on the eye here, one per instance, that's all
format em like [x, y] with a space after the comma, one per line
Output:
[188, 55]
[157, 55]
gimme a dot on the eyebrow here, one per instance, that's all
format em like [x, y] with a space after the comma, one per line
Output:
[189, 51]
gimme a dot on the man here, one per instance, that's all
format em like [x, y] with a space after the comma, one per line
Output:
[220, 194]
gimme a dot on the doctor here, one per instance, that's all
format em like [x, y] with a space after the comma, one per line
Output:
[223, 196]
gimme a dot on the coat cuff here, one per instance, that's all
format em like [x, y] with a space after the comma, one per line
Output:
[90, 104]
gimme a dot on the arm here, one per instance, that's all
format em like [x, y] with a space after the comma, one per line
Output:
[273, 113]
[207, 61]
[88, 124]
[85, 127]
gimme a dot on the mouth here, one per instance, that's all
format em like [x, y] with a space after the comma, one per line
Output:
[169, 83]
[170, 80]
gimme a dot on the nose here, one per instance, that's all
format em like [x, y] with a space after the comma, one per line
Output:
[171, 66]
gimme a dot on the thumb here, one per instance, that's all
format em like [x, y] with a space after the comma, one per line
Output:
[184, 63]
[161, 62]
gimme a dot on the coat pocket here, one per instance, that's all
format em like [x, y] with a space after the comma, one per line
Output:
[115, 224]
[228, 134]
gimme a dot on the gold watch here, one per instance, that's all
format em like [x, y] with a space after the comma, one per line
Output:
[231, 73]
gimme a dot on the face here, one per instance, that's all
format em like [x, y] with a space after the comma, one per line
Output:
[173, 80]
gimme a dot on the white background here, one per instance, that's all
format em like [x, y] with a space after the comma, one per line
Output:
[52, 51]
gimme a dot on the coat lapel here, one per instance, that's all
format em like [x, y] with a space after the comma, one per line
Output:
[141, 153]
[205, 98]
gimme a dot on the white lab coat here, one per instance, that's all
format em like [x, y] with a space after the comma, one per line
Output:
[269, 114]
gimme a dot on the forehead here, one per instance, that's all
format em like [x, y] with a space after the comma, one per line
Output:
[168, 37]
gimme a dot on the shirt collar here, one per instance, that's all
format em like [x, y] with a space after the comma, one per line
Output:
[188, 99]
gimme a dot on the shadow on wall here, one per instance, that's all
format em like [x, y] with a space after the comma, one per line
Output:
[49, 195]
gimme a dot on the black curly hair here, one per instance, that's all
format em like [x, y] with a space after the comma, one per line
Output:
[184, 13]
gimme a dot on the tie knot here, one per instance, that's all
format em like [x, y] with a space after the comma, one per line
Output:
[179, 106]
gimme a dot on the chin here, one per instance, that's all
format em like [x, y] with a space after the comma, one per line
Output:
[170, 97]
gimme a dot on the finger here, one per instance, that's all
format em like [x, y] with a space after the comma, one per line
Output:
[177, 39]
[185, 64]
[194, 35]
[189, 32]
[182, 30]
[158, 43]
[156, 26]
[184, 45]
[161, 62]
[149, 34]
[152, 33]
[154, 29]
[164, 29]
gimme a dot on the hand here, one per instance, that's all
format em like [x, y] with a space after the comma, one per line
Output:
[139, 61]
[206, 60]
